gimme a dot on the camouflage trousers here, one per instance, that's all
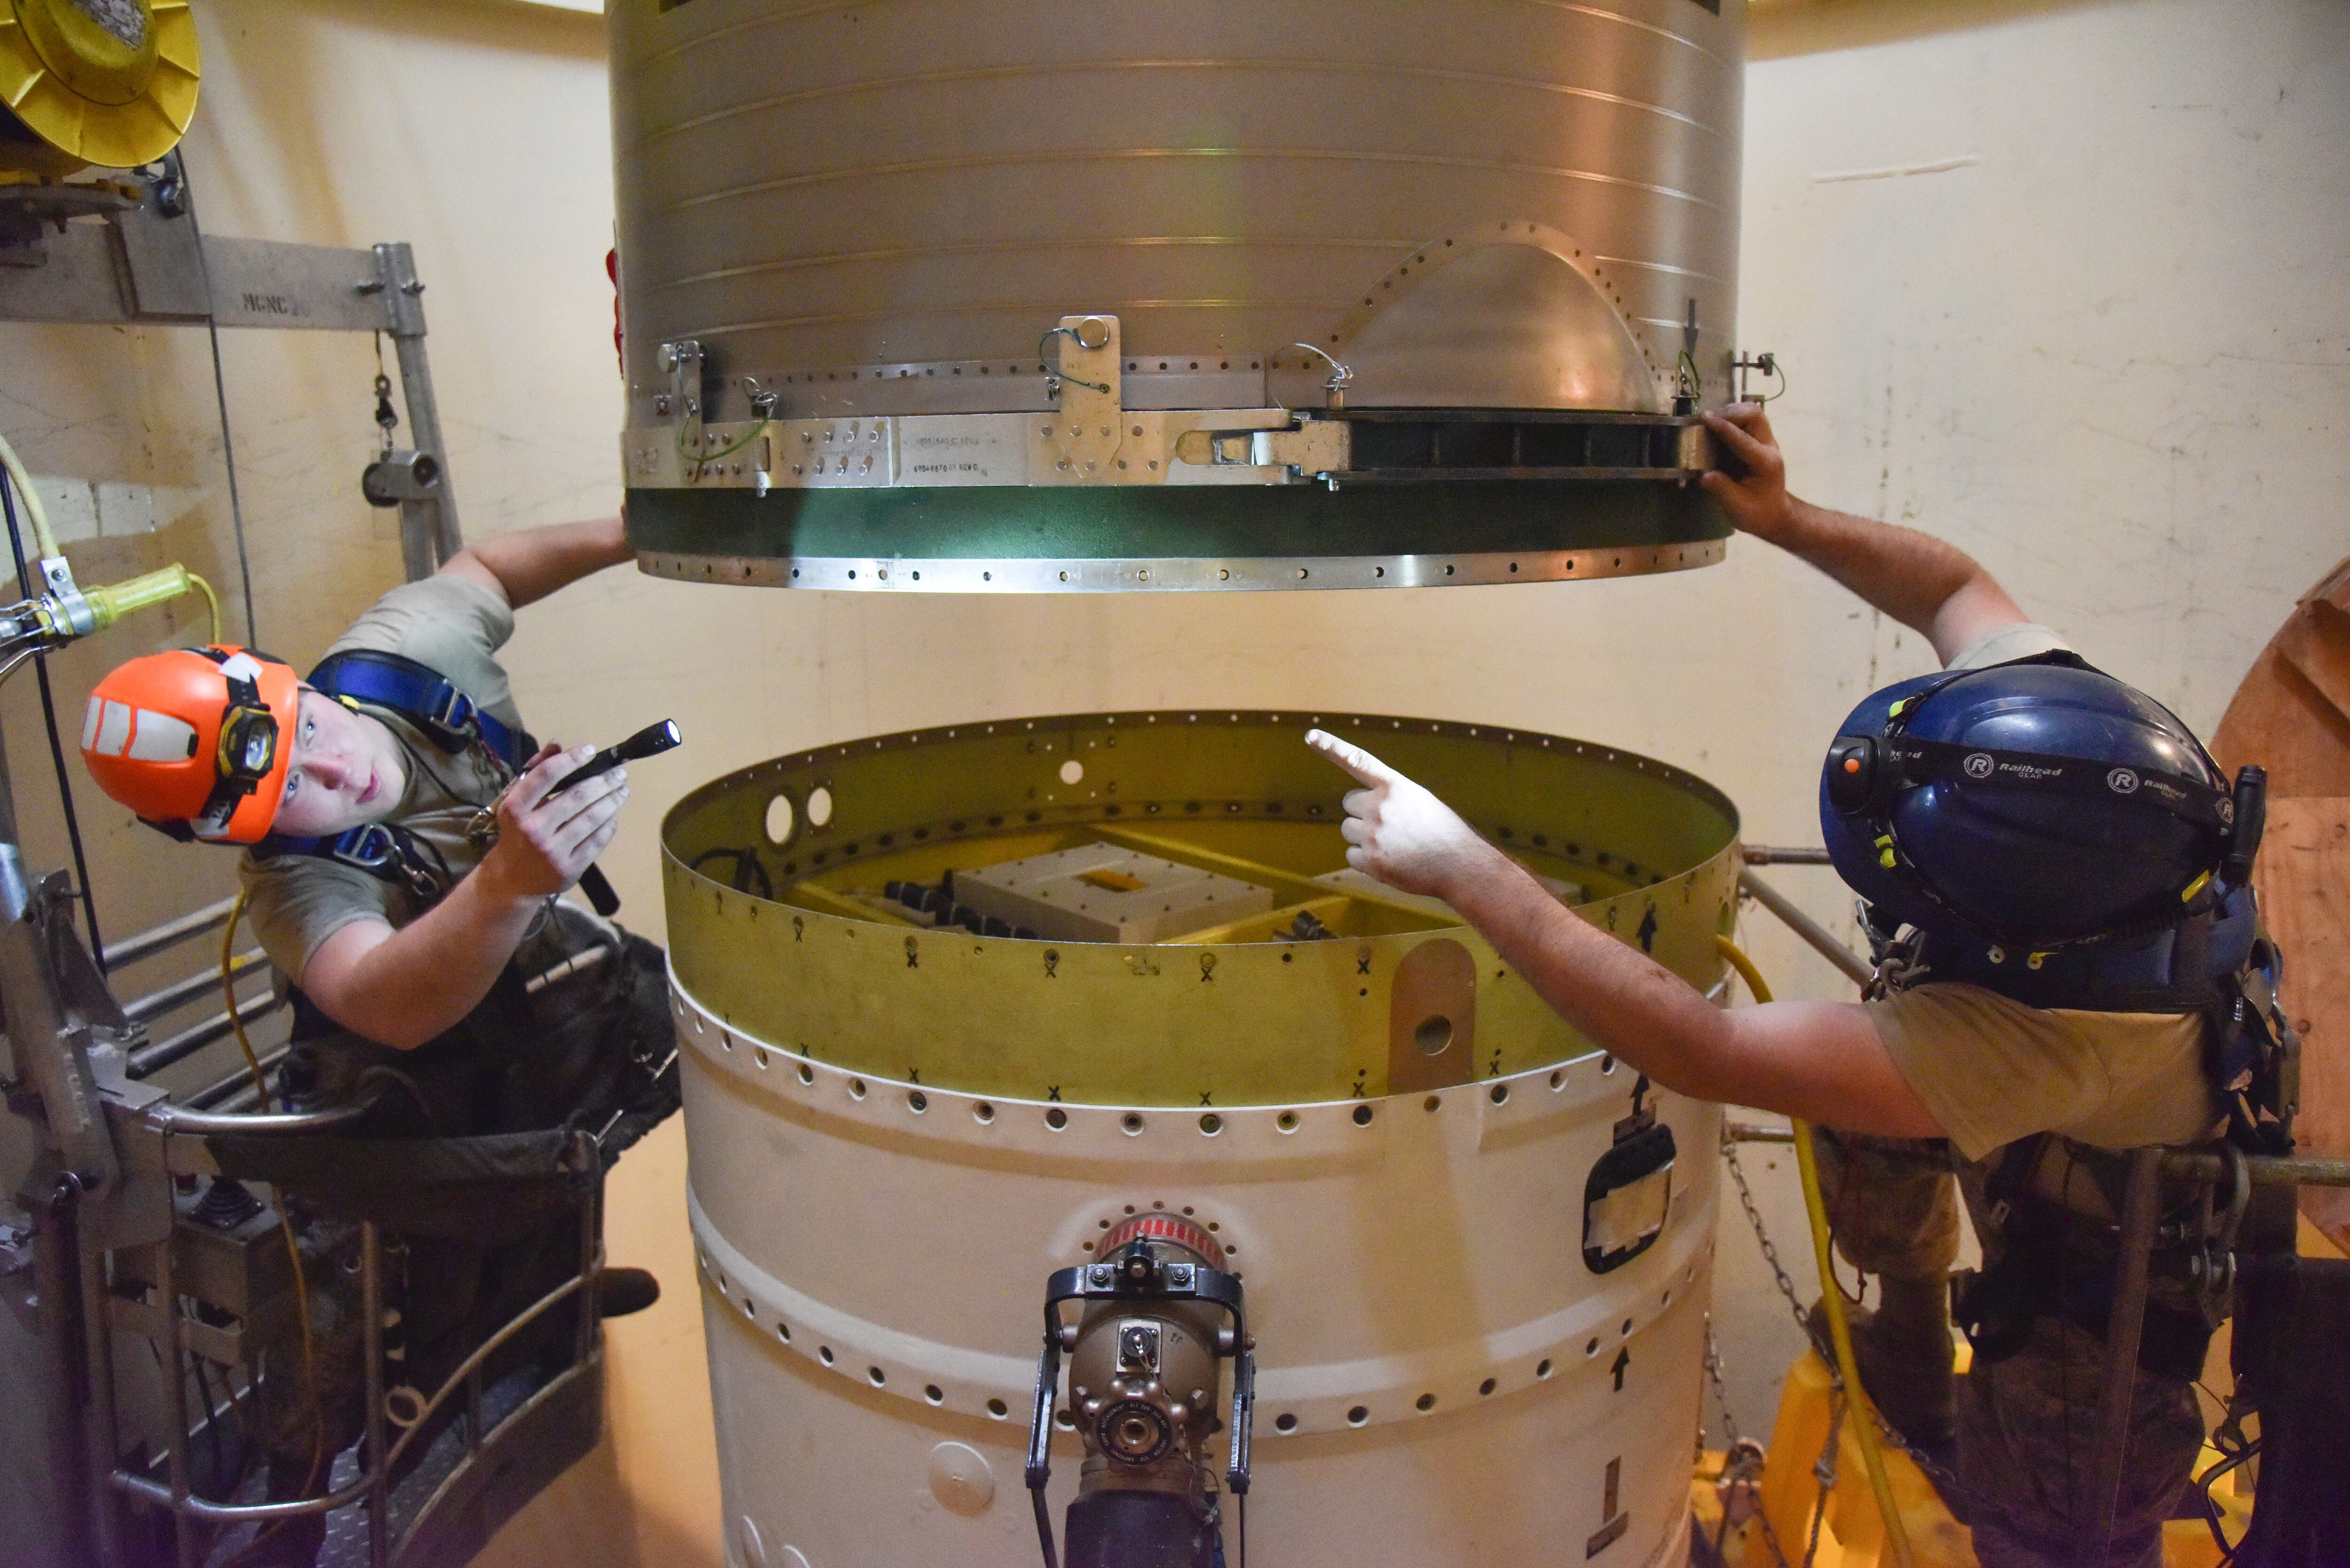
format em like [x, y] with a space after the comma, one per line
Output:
[2027, 1425]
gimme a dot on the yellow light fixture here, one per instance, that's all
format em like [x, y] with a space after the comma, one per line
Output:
[106, 82]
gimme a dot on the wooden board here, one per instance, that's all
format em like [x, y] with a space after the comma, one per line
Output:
[2303, 877]
[2291, 714]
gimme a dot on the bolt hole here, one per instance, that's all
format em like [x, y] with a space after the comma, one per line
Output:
[1431, 1102]
[934, 1394]
[1499, 1094]
[1607, 1065]
[1363, 1115]
[918, 1102]
[1487, 1386]
[1056, 1119]
[1284, 1422]
[1287, 1121]
[759, 1054]
[1542, 1370]
[1130, 1124]
[1425, 1403]
[784, 1332]
[807, 1074]
[1358, 1415]
[1211, 1124]
[996, 1407]
[983, 1113]
[824, 1354]
[874, 1375]
[856, 1089]
[1558, 1080]
[1591, 1350]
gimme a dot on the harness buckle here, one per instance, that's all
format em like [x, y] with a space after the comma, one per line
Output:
[453, 714]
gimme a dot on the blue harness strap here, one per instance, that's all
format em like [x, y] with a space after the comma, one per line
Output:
[425, 698]
[433, 703]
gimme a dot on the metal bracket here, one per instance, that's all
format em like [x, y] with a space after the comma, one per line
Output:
[1080, 446]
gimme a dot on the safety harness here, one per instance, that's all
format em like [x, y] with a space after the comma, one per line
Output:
[432, 704]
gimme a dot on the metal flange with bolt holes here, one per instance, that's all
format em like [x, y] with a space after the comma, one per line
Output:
[1468, 1237]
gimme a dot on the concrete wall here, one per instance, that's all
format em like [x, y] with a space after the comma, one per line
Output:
[2060, 283]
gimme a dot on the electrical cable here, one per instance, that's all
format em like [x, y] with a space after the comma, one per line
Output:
[50, 717]
[220, 397]
[285, 1225]
[44, 537]
[1831, 1295]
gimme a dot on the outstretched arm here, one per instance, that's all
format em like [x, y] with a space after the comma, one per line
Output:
[1823, 1061]
[531, 562]
[1934, 588]
[401, 987]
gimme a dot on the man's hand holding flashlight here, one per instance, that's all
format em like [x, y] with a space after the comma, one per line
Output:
[1402, 835]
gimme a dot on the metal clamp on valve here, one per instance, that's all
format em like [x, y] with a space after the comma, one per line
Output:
[1142, 1394]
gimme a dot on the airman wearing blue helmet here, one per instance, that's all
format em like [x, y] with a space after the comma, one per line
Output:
[2055, 879]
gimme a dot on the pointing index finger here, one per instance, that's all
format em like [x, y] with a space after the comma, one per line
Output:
[1366, 768]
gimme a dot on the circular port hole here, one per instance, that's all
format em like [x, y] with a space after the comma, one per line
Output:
[819, 806]
[1072, 772]
[996, 1407]
[1363, 1115]
[1056, 1119]
[1358, 1415]
[1434, 1034]
[1211, 1124]
[1130, 1124]
[1287, 1121]
[1284, 1422]
[934, 1394]
[781, 819]
[983, 1113]
[1499, 1094]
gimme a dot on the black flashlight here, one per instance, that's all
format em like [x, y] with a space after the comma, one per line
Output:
[650, 742]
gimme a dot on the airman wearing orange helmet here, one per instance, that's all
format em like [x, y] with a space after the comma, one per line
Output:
[227, 745]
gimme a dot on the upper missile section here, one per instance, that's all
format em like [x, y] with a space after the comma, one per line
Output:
[1055, 296]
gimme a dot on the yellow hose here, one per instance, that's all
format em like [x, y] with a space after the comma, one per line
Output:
[1864, 1425]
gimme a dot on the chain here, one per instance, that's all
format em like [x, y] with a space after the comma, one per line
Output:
[1770, 1256]
[1730, 1430]
[1825, 1472]
[1943, 1480]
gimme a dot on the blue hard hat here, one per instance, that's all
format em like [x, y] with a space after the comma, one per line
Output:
[2031, 804]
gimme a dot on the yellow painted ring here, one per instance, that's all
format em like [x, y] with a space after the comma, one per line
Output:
[110, 83]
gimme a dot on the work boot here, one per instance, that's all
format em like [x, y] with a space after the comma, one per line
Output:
[619, 1291]
[1904, 1351]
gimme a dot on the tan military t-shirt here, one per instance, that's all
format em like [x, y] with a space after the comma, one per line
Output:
[1993, 1070]
[449, 624]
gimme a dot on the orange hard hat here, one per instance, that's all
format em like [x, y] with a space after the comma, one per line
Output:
[196, 741]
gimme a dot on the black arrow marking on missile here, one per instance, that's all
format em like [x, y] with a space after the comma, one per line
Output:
[1648, 929]
[1623, 1360]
